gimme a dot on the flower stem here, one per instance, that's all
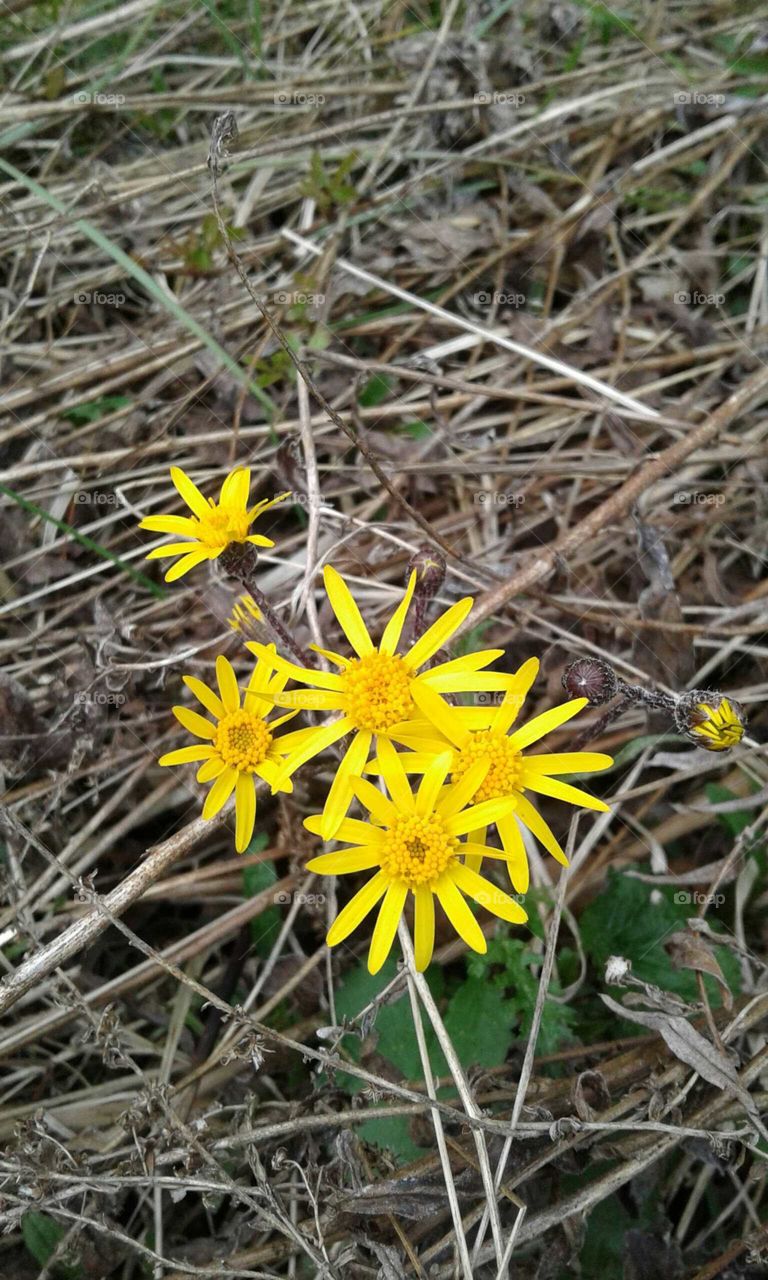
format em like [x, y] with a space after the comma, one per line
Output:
[281, 634]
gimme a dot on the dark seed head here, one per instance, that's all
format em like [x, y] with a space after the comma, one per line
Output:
[590, 678]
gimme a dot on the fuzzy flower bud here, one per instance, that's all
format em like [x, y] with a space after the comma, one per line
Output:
[709, 719]
[590, 678]
[430, 571]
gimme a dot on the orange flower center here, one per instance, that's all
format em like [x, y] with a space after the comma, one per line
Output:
[504, 775]
[377, 692]
[417, 850]
[242, 740]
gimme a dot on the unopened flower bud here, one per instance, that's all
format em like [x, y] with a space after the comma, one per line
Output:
[590, 678]
[430, 571]
[245, 617]
[709, 719]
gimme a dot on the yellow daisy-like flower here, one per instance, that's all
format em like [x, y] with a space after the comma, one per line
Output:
[482, 734]
[415, 843]
[374, 688]
[715, 727]
[240, 746]
[213, 526]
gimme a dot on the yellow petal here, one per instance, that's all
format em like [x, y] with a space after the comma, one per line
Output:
[205, 695]
[424, 926]
[186, 755]
[374, 800]
[245, 811]
[194, 722]
[219, 793]
[347, 612]
[386, 925]
[545, 723]
[306, 675]
[395, 777]
[480, 815]
[170, 549]
[320, 738]
[394, 628]
[514, 846]
[357, 909]
[458, 912]
[351, 831]
[190, 493]
[235, 489]
[432, 784]
[230, 694]
[436, 636]
[568, 762]
[487, 894]
[184, 565]
[459, 794]
[361, 858]
[438, 712]
[171, 524]
[210, 769]
[515, 696]
[340, 794]
[533, 820]
[564, 791]
[467, 662]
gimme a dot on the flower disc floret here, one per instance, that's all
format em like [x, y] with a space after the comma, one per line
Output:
[220, 526]
[243, 741]
[504, 775]
[377, 692]
[417, 850]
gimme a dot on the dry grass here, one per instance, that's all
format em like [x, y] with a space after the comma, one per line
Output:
[168, 1108]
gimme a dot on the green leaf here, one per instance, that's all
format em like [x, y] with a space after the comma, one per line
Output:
[41, 1235]
[265, 926]
[633, 919]
[511, 970]
[95, 409]
[417, 429]
[375, 391]
[396, 1042]
[479, 1025]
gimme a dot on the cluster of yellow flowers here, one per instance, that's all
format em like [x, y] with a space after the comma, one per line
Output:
[449, 774]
